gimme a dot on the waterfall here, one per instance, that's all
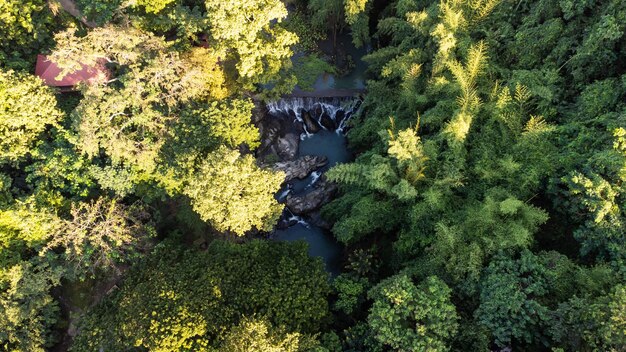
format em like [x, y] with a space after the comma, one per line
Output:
[296, 218]
[315, 176]
[339, 110]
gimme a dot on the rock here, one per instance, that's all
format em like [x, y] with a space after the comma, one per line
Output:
[287, 146]
[339, 116]
[301, 167]
[316, 111]
[328, 122]
[269, 129]
[315, 219]
[307, 203]
[311, 125]
[258, 112]
[285, 223]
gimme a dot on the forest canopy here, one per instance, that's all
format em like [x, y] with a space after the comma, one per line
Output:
[484, 208]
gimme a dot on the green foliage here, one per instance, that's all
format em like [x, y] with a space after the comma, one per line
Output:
[407, 317]
[519, 148]
[59, 172]
[600, 197]
[129, 120]
[592, 324]
[5, 190]
[24, 229]
[396, 176]
[228, 190]
[299, 23]
[362, 262]
[363, 215]
[189, 300]
[27, 310]
[326, 13]
[27, 109]
[496, 223]
[185, 18]
[217, 123]
[99, 11]
[350, 293]
[308, 68]
[256, 336]
[357, 16]
[510, 291]
[245, 31]
[25, 27]
[99, 236]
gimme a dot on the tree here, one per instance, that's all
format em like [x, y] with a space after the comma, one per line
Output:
[407, 317]
[130, 118]
[328, 13]
[253, 335]
[510, 299]
[100, 235]
[27, 310]
[599, 194]
[5, 190]
[350, 293]
[188, 299]
[233, 193]
[27, 109]
[594, 324]
[357, 16]
[25, 27]
[260, 50]
[24, 229]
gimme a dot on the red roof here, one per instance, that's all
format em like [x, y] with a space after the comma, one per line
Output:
[48, 71]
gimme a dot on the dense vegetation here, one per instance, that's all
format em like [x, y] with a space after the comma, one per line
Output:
[486, 207]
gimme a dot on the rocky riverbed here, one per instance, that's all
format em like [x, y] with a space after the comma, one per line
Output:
[304, 137]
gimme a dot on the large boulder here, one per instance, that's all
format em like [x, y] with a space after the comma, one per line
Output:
[269, 129]
[309, 122]
[301, 167]
[328, 122]
[287, 146]
[259, 112]
[312, 201]
[339, 116]
[315, 218]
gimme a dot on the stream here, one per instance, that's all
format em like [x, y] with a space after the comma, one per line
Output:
[328, 117]
[322, 122]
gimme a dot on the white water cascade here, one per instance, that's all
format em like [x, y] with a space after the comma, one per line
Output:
[338, 109]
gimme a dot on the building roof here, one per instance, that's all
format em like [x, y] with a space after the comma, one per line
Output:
[48, 71]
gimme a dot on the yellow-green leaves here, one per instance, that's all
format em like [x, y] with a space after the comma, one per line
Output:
[27, 109]
[406, 147]
[469, 101]
[244, 30]
[257, 335]
[100, 235]
[27, 310]
[409, 317]
[232, 193]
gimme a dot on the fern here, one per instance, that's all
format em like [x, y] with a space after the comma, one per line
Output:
[350, 174]
[503, 99]
[482, 8]
[522, 95]
[536, 125]
[476, 58]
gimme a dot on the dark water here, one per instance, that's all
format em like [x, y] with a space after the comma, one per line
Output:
[355, 79]
[330, 144]
[321, 243]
